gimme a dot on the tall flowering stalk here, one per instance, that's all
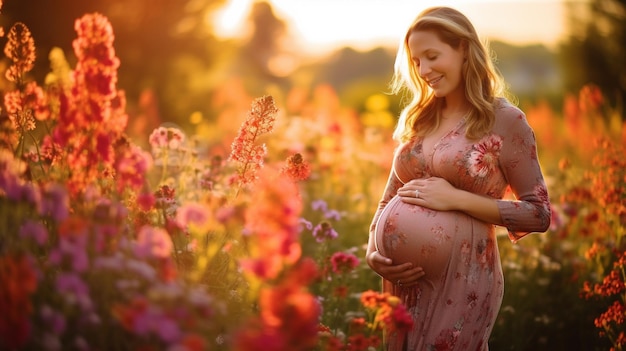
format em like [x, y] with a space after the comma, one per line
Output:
[92, 114]
[246, 153]
[20, 50]
[26, 103]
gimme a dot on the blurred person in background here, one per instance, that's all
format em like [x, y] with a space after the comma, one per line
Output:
[463, 148]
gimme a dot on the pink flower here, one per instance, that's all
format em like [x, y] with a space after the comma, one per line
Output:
[153, 242]
[483, 160]
[35, 231]
[145, 201]
[131, 167]
[166, 138]
[343, 262]
[74, 289]
[54, 202]
[192, 214]
[249, 156]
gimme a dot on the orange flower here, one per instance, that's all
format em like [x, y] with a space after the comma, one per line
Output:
[20, 49]
[72, 227]
[296, 168]
[273, 222]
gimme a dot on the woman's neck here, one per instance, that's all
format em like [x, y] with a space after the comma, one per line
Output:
[455, 110]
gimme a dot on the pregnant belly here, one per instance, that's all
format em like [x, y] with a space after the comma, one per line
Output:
[411, 233]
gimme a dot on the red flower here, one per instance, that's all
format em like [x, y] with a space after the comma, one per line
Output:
[343, 262]
[18, 283]
[616, 313]
[91, 118]
[296, 168]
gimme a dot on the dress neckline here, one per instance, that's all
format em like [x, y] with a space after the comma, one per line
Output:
[431, 152]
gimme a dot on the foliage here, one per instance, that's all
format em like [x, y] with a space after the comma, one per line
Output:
[594, 51]
[248, 234]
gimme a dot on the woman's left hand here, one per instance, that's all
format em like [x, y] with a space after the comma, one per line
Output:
[434, 193]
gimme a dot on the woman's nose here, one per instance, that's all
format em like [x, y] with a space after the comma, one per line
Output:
[424, 69]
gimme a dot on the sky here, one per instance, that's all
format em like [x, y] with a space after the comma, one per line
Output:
[322, 25]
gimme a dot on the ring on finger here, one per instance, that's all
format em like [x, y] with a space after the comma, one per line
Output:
[417, 193]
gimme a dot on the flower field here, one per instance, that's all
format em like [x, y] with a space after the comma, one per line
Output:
[249, 231]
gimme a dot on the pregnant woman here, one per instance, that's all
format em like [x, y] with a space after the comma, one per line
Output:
[462, 144]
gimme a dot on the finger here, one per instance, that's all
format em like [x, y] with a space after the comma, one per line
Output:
[377, 257]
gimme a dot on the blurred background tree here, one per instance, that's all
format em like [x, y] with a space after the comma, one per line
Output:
[170, 57]
[596, 49]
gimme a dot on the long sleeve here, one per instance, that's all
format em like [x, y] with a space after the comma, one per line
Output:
[530, 211]
[393, 184]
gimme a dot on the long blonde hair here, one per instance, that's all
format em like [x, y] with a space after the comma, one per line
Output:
[483, 82]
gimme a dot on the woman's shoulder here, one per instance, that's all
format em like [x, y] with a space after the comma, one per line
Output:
[504, 107]
[507, 113]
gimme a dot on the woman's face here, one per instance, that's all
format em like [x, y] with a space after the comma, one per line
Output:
[437, 63]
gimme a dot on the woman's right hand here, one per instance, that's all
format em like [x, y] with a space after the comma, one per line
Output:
[402, 274]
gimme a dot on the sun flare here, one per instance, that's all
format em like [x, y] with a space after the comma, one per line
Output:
[327, 24]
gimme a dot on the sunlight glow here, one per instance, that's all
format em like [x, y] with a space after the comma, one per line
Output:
[321, 25]
[229, 20]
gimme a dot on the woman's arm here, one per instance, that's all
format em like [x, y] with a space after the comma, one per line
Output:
[384, 266]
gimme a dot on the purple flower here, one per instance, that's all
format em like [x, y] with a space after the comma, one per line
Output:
[54, 202]
[167, 330]
[74, 289]
[305, 224]
[54, 319]
[114, 262]
[332, 214]
[142, 268]
[319, 205]
[35, 231]
[324, 231]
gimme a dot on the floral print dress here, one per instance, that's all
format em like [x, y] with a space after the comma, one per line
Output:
[455, 305]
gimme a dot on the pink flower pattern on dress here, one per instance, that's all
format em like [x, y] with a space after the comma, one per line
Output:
[483, 160]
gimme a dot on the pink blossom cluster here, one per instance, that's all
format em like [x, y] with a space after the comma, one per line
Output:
[343, 262]
[248, 155]
[166, 138]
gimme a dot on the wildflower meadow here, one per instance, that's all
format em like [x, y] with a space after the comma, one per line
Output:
[248, 232]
